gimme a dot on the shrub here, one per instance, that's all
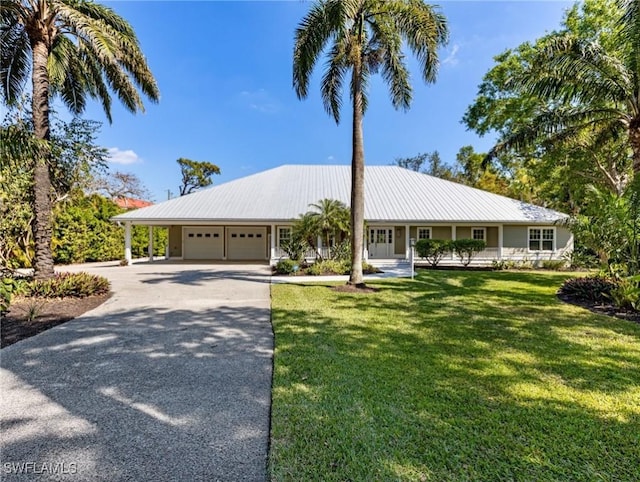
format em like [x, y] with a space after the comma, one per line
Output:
[295, 247]
[329, 266]
[554, 264]
[368, 269]
[626, 293]
[341, 251]
[286, 266]
[595, 289]
[433, 250]
[73, 285]
[466, 249]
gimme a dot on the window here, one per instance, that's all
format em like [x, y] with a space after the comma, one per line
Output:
[190, 235]
[541, 239]
[216, 235]
[258, 235]
[242, 235]
[284, 234]
[479, 234]
[199, 235]
[250, 235]
[234, 235]
[207, 235]
[424, 233]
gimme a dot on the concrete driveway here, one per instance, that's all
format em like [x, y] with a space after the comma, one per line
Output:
[170, 379]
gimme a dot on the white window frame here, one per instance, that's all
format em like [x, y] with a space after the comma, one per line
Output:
[429, 228]
[280, 238]
[541, 240]
[484, 233]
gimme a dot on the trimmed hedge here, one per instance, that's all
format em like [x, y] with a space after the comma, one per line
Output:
[433, 250]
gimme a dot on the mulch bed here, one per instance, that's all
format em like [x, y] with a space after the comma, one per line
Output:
[354, 289]
[603, 309]
[16, 325]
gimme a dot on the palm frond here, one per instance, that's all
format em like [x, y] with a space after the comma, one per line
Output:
[324, 20]
[393, 68]
[424, 29]
[572, 71]
[15, 58]
[333, 78]
[558, 125]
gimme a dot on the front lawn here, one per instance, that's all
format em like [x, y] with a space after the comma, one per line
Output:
[454, 376]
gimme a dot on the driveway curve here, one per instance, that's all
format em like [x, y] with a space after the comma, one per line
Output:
[170, 379]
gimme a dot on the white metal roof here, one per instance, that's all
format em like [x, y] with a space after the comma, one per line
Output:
[391, 194]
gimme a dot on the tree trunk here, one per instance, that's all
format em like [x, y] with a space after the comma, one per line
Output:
[634, 140]
[43, 261]
[357, 181]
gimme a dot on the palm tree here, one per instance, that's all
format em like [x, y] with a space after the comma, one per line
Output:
[329, 217]
[75, 49]
[366, 37]
[587, 91]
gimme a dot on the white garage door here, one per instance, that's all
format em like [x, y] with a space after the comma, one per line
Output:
[203, 243]
[247, 243]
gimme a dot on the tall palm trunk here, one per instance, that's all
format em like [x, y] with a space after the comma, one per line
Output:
[43, 262]
[357, 179]
[634, 140]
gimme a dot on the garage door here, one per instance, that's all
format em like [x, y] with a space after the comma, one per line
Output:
[247, 243]
[203, 243]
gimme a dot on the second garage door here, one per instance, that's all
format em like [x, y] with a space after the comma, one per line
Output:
[247, 243]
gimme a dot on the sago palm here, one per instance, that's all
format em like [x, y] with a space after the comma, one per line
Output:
[75, 49]
[361, 38]
[588, 91]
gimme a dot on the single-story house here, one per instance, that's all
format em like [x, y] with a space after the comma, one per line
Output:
[249, 218]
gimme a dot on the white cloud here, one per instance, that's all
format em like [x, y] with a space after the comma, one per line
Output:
[117, 156]
[260, 100]
[452, 58]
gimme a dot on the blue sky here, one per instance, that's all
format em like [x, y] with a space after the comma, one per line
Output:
[224, 72]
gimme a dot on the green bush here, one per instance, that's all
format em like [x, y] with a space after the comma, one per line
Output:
[433, 250]
[595, 289]
[286, 266]
[466, 249]
[328, 267]
[63, 285]
[554, 264]
[505, 264]
[626, 294]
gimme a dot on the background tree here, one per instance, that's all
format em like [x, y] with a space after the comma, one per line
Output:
[427, 163]
[196, 175]
[74, 49]
[120, 185]
[366, 37]
[564, 106]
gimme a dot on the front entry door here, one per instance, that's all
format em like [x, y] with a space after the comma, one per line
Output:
[381, 243]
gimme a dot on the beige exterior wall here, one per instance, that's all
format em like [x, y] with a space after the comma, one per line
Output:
[463, 232]
[175, 241]
[441, 232]
[400, 245]
[492, 237]
[515, 237]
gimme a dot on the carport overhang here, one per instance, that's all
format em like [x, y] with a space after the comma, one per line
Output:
[129, 221]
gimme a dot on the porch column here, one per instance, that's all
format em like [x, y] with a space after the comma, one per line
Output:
[500, 240]
[127, 242]
[272, 248]
[407, 241]
[319, 245]
[151, 244]
[453, 238]
[365, 244]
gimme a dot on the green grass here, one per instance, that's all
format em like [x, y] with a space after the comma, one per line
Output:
[454, 376]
